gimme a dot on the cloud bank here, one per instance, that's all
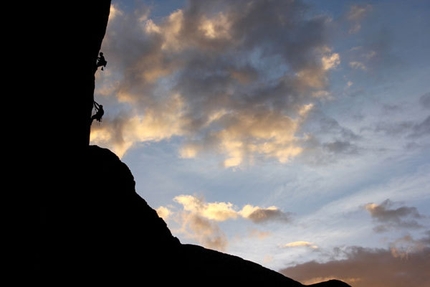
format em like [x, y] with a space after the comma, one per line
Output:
[235, 78]
[402, 262]
[394, 267]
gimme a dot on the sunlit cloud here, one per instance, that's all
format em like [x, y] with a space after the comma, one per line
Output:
[206, 232]
[156, 124]
[217, 211]
[199, 220]
[114, 12]
[222, 211]
[247, 134]
[215, 78]
[300, 244]
[217, 27]
[163, 212]
[260, 215]
[330, 61]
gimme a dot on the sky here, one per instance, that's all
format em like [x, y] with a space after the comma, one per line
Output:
[295, 134]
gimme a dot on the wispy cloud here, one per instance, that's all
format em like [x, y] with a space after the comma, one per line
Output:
[300, 244]
[357, 65]
[356, 14]
[421, 129]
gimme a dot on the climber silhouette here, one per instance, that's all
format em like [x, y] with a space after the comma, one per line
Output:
[99, 112]
[101, 61]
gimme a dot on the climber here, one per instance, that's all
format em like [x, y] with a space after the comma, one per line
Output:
[101, 61]
[99, 112]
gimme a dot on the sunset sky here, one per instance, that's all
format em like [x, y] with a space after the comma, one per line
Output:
[295, 134]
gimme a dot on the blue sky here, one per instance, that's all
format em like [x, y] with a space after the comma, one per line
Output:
[295, 134]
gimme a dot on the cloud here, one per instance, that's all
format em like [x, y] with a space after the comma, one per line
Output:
[235, 78]
[394, 129]
[406, 246]
[218, 211]
[199, 220]
[222, 211]
[425, 100]
[327, 141]
[390, 217]
[357, 65]
[356, 15]
[261, 215]
[121, 131]
[421, 129]
[248, 133]
[365, 267]
[408, 129]
[163, 212]
[205, 231]
[340, 147]
[330, 61]
[403, 263]
[258, 233]
[358, 12]
[376, 56]
[300, 244]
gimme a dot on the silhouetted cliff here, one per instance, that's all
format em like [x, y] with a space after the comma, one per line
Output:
[88, 225]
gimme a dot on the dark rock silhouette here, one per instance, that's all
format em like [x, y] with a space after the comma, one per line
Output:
[86, 224]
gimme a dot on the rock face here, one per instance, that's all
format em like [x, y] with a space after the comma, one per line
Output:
[87, 223]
